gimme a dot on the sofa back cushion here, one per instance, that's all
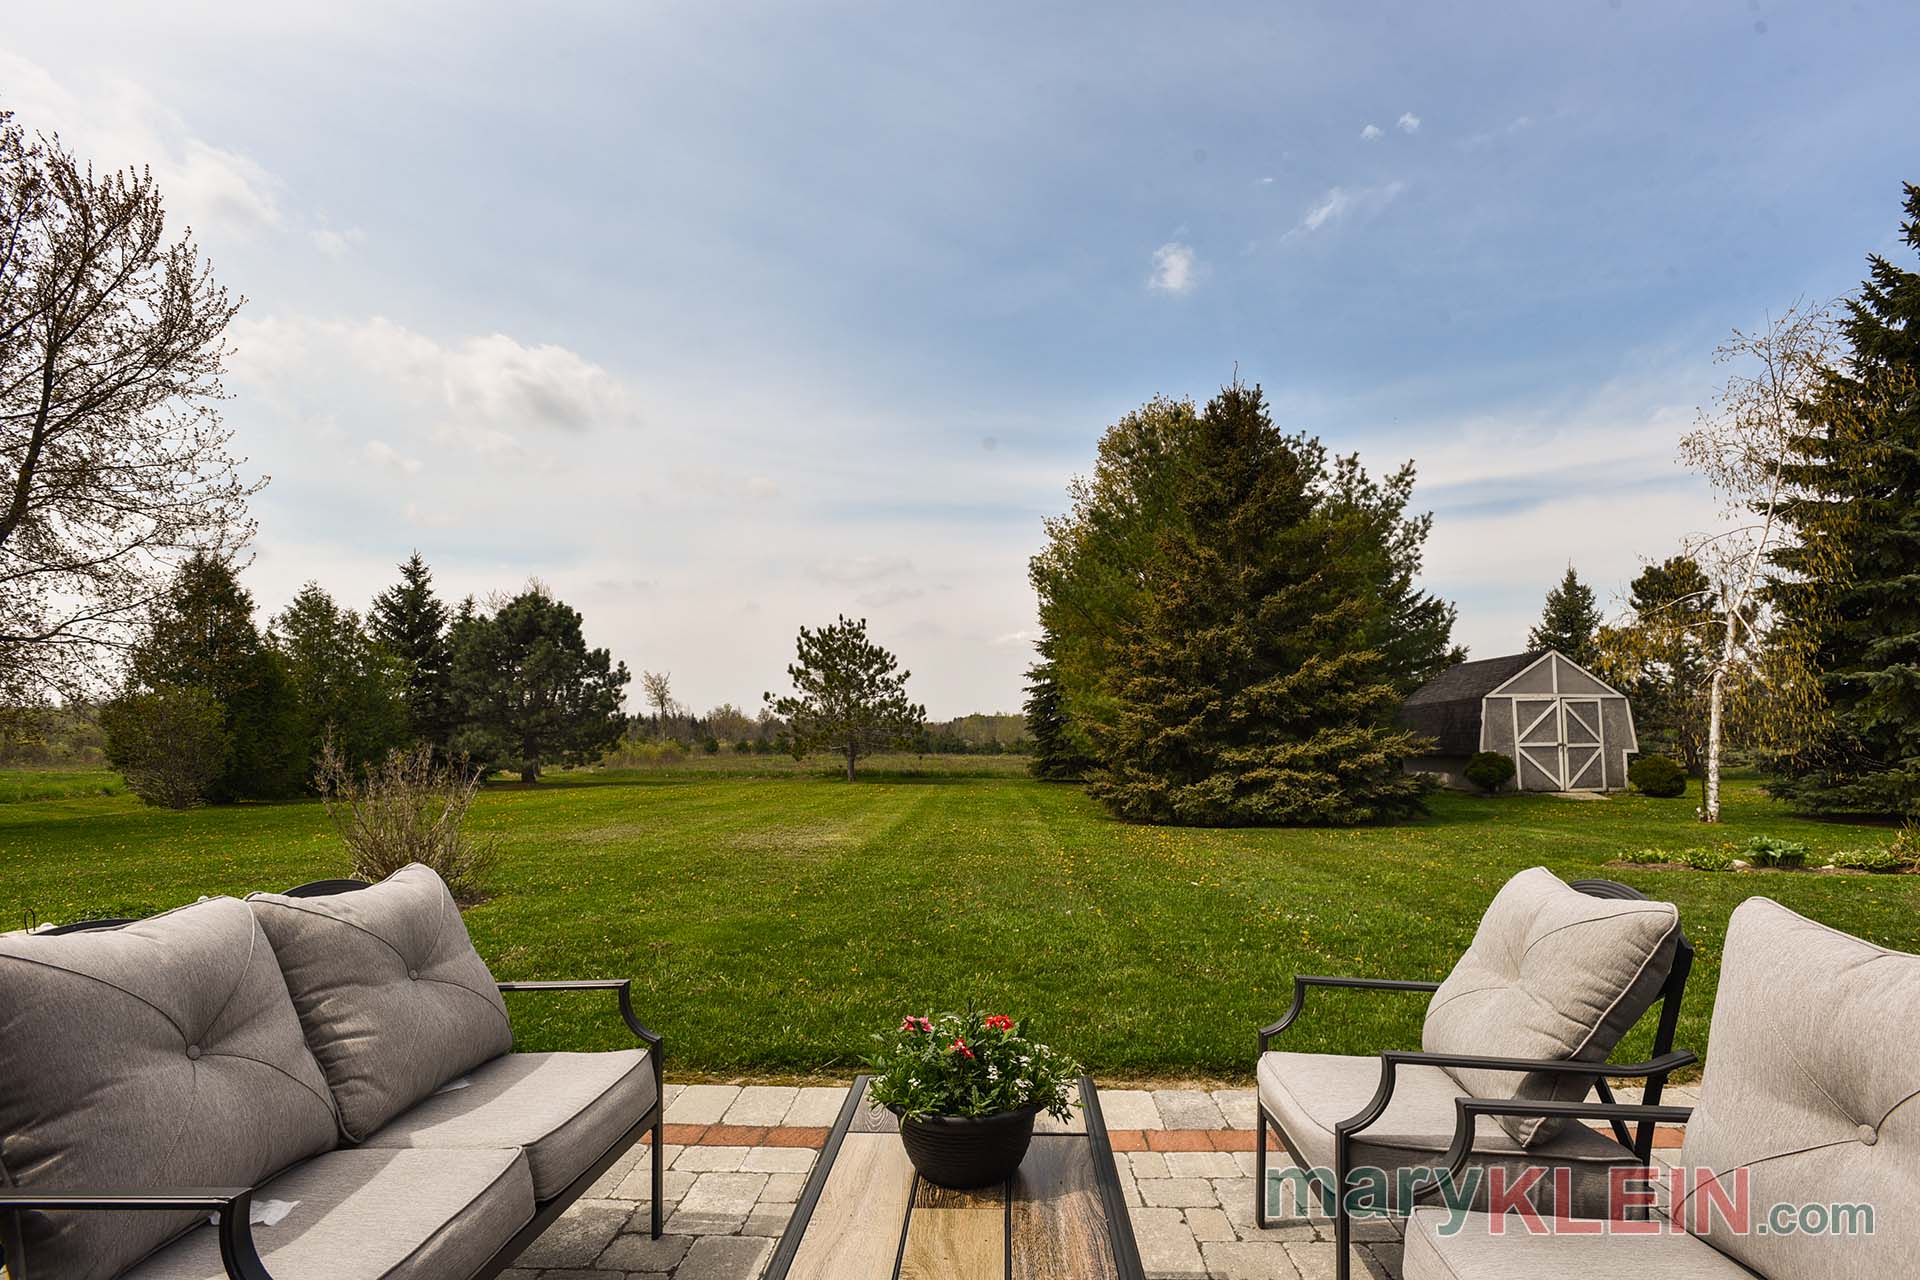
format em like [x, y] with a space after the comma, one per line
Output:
[159, 1055]
[394, 1000]
[1812, 1086]
[1552, 973]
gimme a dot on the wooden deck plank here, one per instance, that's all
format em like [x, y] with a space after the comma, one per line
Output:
[869, 1120]
[854, 1233]
[956, 1235]
[1059, 1220]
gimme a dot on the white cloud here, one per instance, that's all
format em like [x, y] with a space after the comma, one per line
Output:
[1372, 133]
[762, 487]
[1175, 268]
[1340, 202]
[863, 570]
[382, 454]
[337, 244]
[1519, 124]
[1407, 123]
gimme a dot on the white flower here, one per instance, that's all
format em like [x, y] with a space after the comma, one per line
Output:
[993, 1072]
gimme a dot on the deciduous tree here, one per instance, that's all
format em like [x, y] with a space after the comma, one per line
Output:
[849, 696]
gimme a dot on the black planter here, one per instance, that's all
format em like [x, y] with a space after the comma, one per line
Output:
[964, 1152]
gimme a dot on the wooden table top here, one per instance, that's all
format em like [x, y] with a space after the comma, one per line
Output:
[866, 1215]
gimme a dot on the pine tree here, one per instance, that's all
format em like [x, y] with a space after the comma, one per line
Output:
[350, 689]
[850, 695]
[1249, 690]
[1570, 622]
[1860, 476]
[1056, 756]
[411, 623]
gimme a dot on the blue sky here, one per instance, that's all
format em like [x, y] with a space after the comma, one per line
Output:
[723, 318]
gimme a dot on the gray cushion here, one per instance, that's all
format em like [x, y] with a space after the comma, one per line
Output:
[1473, 1252]
[1551, 973]
[563, 1109]
[161, 1054]
[1813, 1084]
[1309, 1093]
[374, 1215]
[394, 1000]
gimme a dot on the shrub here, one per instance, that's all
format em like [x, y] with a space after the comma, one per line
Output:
[169, 744]
[1907, 845]
[1658, 776]
[406, 809]
[711, 746]
[1489, 770]
[1650, 857]
[1884, 861]
[743, 748]
[1707, 859]
[1771, 851]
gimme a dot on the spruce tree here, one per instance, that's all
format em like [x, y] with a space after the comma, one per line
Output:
[1852, 582]
[1056, 755]
[349, 688]
[1570, 622]
[411, 623]
[1249, 690]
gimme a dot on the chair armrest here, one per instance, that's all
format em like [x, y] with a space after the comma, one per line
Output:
[1467, 1112]
[229, 1205]
[1301, 981]
[624, 986]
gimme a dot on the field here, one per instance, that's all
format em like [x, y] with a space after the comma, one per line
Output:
[773, 917]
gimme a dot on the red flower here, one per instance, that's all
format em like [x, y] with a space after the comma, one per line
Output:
[911, 1023]
[999, 1022]
[959, 1045]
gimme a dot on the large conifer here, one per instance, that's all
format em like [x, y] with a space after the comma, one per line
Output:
[1570, 621]
[411, 623]
[1249, 687]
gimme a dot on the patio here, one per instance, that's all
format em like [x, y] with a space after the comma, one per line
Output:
[739, 1155]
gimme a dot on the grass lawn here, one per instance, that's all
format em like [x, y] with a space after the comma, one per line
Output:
[773, 917]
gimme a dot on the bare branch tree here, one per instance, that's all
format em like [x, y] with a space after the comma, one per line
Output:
[657, 687]
[1745, 446]
[113, 458]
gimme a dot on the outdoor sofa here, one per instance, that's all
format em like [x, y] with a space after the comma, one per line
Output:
[316, 1084]
[1555, 976]
[1811, 1097]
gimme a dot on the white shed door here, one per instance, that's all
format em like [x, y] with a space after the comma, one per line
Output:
[1537, 744]
[1580, 765]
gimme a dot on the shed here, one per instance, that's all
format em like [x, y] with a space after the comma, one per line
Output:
[1564, 728]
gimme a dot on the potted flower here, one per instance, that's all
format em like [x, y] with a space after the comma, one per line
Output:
[967, 1089]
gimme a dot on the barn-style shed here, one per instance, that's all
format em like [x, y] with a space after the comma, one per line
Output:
[1564, 728]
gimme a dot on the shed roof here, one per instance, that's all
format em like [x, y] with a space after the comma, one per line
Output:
[1447, 707]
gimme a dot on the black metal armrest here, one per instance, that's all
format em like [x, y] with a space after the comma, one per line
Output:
[1301, 981]
[229, 1205]
[1467, 1113]
[1664, 1065]
[624, 986]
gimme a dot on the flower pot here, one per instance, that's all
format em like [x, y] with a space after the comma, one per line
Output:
[964, 1152]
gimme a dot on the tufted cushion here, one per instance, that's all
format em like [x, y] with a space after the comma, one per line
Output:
[159, 1055]
[1552, 974]
[1813, 1084]
[394, 1000]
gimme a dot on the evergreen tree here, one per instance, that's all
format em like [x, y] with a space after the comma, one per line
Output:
[411, 622]
[1852, 581]
[1056, 756]
[349, 689]
[1413, 630]
[528, 691]
[200, 634]
[1249, 690]
[849, 695]
[1570, 622]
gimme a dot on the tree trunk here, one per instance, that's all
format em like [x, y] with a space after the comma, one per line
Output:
[850, 759]
[530, 773]
[1710, 802]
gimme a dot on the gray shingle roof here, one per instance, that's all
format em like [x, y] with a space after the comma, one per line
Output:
[1447, 707]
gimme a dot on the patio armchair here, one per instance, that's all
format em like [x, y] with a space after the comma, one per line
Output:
[1809, 1116]
[1555, 976]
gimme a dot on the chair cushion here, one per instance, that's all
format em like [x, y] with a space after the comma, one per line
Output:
[1436, 1250]
[1813, 1086]
[373, 1215]
[564, 1109]
[164, 1053]
[1552, 973]
[394, 1000]
[1309, 1093]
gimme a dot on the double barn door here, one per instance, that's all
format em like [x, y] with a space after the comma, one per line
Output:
[1558, 744]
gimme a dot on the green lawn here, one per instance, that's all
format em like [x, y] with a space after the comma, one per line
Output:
[773, 917]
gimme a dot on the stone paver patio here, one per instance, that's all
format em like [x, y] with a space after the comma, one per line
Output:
[738, 1157]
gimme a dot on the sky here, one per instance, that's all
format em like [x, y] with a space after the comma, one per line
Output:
[723, 318]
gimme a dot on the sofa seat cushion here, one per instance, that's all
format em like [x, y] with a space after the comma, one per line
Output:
[1309, 1093]
[164, 1053]
[394, 1000]
[563, 1109]
[1552, 973]
[373, 1215]
[1475, 1252]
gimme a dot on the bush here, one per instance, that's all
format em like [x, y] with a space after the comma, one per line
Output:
[1706, 859]
[1650, 857]
[1771, 851]
[1887, 861]
[403, 810]
[711, 746]
[1658, 776]
[1489, 770]
[743, 748]
[170, 744]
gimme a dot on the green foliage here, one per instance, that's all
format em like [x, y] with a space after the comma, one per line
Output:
[528, 691]
[1658, 776]
[1650, 857]
[850, 696]
[1660, 657]
[1849, 579]
[201, 635]
[1886, 861]
[169, 743]
[1489, 770]
[406, 809]
[1570, 622]
[1707, 858]
[1056, 751]
[968, 1064]
[1247, 692]
[410, 622]
[1771, 851]
[347, 689]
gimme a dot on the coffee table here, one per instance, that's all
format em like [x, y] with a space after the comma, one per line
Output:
[866, 1215]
